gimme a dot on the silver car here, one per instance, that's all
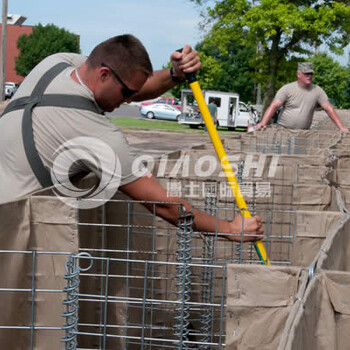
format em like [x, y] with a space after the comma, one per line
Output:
[10, 89]
[160, 111]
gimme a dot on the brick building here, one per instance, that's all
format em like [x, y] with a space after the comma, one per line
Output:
[13, 32]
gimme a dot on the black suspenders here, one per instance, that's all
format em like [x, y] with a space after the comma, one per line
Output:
[36, 99]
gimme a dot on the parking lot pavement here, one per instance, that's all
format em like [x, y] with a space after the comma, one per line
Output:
[156, 143]
[126, 111]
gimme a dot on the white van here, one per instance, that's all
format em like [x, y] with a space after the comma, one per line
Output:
[232, 113]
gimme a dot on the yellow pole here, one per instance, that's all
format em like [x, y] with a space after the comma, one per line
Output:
[220, 151]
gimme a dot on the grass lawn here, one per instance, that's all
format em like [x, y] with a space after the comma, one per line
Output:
[153, 124]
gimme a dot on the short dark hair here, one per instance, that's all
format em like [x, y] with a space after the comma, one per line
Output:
[124, 53]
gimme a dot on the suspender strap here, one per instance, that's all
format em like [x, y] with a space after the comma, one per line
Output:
[41, 173]
[38, 99]
[53, 100]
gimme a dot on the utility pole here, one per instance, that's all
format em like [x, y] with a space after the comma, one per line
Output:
[3, 49]
[257, 87]
[260, 54]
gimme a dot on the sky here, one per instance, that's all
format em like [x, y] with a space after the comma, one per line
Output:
[162, 26]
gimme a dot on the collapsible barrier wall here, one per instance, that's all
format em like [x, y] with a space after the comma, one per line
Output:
[298, 308]
[141, 283]
[37, 235]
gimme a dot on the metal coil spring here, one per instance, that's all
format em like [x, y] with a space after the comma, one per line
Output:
[289, 146]
[210, 201]
[238, 245]
[183, 278]
[71, 302]
[252, 213]
[206, 316]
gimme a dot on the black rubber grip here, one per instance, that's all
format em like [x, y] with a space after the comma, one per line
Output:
[191, 77]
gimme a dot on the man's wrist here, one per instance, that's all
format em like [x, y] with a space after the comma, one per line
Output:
[175, 78]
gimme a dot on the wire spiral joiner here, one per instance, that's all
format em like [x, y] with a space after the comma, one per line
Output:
[206, 316]
[71, 302]
[183, 277]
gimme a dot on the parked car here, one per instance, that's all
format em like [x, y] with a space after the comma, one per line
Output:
[160, 111]
[166, 100]
[10, 89]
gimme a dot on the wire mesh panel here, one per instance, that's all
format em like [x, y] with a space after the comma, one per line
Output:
[36, 237]
[31, 299]
[275, 140]
[155, 286]
[134, 281]
[147, 315]
[140, 292]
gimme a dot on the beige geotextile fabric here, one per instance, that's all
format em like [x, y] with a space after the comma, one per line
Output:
[345, 194]
[40, 224]
[324, 320]
[3, 105]
[310, 194]
[312, 228]
[259, 299]
[335, 251]
[343, 142]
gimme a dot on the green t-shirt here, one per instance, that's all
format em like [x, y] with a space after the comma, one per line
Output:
[299, 105]
[213, 109]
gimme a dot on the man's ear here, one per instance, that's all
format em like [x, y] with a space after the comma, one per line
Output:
[103, 74]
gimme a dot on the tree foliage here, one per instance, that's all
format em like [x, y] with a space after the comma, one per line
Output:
[333, 78]
[229, 72]
[283, 29]
[235, 74]
[44, 41]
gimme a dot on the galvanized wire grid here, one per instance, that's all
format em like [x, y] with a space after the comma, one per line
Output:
[291, 144]
[166, 284]
[148, 316]
[148, 294]
[22, 293]
[140, 283]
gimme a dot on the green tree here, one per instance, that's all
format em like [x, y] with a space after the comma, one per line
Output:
[333, 78]
[283, 28]
[44, 41]
[235, 74]
[230, 72]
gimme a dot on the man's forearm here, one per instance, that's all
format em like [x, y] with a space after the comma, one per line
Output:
[157, 200]
[170, 212]
[333, 115]
[156, 85]
[268, 114]
[336, 120]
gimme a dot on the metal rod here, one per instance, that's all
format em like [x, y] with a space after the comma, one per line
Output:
[3, 49]
[33, 301]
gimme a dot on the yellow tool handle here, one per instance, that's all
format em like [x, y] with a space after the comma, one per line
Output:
[220, 151]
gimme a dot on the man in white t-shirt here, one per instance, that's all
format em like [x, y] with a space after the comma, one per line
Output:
[59, 106]
[299, 101]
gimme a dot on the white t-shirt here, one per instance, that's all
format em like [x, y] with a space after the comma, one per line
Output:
[52, 127]
[299, 104]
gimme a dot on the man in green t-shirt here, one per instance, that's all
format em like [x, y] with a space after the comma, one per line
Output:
[213, 109]
[299, 100]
